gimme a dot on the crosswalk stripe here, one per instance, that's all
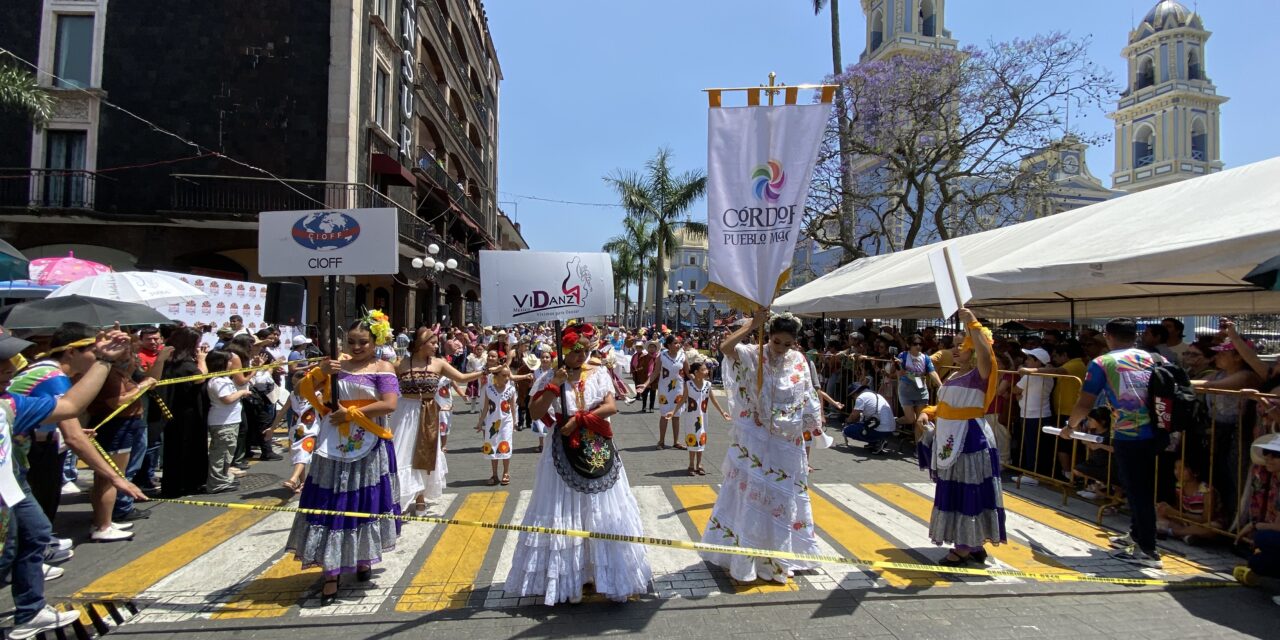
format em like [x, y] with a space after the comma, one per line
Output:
[1090, 532]
[1012, 553]
[191, 591]
[697, 501]
[447, 578]
[512, 538]
[1044, 539]
[865, 544]
[144, 572]
[272, 593]
[661, 521]
[386, 574]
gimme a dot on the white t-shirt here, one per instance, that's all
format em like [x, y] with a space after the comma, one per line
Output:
[870, 404]
[219, 411]
[1036, 398]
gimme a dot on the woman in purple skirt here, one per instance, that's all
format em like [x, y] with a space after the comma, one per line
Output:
[960, 453]
[353, 467]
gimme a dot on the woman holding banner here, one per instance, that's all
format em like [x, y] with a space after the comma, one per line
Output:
[960, 453]
[764, 502]
[580, 484]
[353, 467]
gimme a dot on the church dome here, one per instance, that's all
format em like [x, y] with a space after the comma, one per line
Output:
[1166, 14]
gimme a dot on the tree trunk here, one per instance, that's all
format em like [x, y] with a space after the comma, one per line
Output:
[660, 286]
[847, 224]
[640, 298]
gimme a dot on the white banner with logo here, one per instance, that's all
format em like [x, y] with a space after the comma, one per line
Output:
[334, 242]
[540, 286]
[759, 161]
[226, 298]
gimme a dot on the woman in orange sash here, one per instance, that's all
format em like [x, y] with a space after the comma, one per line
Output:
[353, 467]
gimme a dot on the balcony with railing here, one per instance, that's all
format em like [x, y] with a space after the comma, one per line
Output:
[55, 189]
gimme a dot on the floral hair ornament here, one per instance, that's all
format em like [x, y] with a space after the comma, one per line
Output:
[379, 326]
[785, 315]
[572, 341]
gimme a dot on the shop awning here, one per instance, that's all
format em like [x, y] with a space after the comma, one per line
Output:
[390, 168]
[1181, 249]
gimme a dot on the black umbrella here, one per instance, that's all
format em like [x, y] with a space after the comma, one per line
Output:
[95, 312]
[13, 265]
[1265, 275]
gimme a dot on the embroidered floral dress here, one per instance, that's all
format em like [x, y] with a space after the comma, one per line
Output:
[557, 567]
[351, 470]
[961, 454]
[499, 422]
[694, 414]
[764, 501]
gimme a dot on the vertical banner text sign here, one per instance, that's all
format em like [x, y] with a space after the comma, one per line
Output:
[333, 242]
[759, 161]
[541, 286]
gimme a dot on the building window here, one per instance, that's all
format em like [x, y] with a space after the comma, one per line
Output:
[382, 99]
[73, 52]
[383, 9]
[928, 19]
[1199, 141]
[693, 285]
[67, 186]
[877, 31]
[693, 260]
[1146, 73]
[1193, 66]
[1144, 144]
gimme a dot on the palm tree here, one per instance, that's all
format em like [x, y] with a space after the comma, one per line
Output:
[19, 91]
[635, 247]
[842, 118]
[663, 201]
[624, 267]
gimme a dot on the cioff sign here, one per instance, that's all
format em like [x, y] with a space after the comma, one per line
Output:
[328, 242]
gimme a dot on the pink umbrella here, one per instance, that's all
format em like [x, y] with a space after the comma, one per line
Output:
[64, 269]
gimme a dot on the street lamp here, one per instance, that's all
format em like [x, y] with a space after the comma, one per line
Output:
[679, 296]
[434, 268]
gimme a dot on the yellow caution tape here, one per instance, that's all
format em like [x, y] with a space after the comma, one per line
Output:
[702, 546]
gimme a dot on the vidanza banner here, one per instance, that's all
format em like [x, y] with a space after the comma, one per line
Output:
[759, 161]
[540, 286]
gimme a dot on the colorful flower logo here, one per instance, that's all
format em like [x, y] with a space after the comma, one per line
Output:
[504, 447]
[309, 444]
[704, 405]
[505, 406]
[486, 449]
[767, 181]
[702, 439]
[662, 399]
[690, 440]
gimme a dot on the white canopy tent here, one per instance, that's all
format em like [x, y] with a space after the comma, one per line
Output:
[1176, 250]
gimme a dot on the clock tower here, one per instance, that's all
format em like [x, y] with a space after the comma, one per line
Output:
[1071, 185]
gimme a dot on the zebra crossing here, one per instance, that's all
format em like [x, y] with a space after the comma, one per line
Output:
[233, 566]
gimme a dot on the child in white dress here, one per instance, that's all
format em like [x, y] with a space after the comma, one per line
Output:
[692, 405]
[497, 421]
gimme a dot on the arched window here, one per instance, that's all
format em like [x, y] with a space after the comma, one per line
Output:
[693, 260]
[1144, 146]
[1199, 141]
[1193, 66]
[1146, 73]
[928, 19]
[877, 30]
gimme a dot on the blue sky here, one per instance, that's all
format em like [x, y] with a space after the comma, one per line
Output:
[591, 86]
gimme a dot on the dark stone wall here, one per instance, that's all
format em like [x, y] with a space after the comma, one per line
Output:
[19, 33]
[245, 78]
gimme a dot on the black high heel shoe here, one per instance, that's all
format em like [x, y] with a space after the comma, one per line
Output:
[327, 599]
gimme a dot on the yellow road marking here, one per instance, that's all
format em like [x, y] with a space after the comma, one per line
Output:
[697, 501]
[1012, 553]
[1091, 533]
[271, 594]
[866, 544]
[447, 578]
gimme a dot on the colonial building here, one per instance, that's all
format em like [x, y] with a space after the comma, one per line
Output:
[294, 104]
[902, 26]
[1167, 119]
[686, 268]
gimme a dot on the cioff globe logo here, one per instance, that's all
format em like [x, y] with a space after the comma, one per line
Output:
[767, 181]
[325, 231]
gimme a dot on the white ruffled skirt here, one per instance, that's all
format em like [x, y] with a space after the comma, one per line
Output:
[557, 567]
[404, 429]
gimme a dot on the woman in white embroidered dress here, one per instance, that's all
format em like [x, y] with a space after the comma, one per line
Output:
[669, 376]
[764, 502]
[580, 484]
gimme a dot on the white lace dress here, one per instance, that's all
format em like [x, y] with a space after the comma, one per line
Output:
[764, 501]
[557, 567]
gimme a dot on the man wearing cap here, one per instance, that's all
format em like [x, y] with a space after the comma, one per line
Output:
[30, 530]
[1035, 402]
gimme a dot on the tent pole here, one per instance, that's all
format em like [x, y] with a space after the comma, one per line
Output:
[1073, 315]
